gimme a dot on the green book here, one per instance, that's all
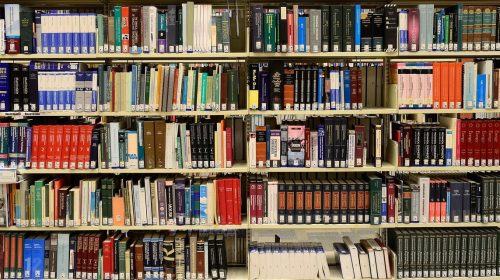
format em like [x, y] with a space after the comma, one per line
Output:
[32, 199]
[118, 28]
[180, 160]
[122, 247]
[460, 27]
[216, 91]
[270, 32]
[210, 101]
[203, 91]
[375, 184]
[148, 87]
[446, 30]
[104, 201]
[218, 33]
[196, 209]
[26, 23]
[100, 33]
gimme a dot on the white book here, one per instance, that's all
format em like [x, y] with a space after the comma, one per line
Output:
[154, 202]
[345, 260]
[351, 145]
[153, 28]
[364, 262]
[486, 67]
[354, 256]
[252, 148]
[142, 205]
[371, 257]
[379, 259]
[2, 35]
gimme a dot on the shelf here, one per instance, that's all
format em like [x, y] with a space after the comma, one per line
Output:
[366, 226]
[237, 168]
[242, 112]
[325, 113]
[58, 171]
[385, 167]
[446, 111]
[126, 56]
[449, 54]
[279, 55]
[447, 168]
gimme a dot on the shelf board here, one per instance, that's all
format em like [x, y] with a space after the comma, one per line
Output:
[384, 167]
[325, 113]
[447, 168]
[317, 226]
[126, 56]
[446, 111]
[242, 112]
[58, 171]
[448, 54]
[237, 168]
[321, 55]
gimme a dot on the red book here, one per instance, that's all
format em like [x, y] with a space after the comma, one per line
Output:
[82, 141]
[85, 255]
[13, 46]
[107, 258]
[469, 143]
[228, 187]
[51, 141]
[73, 151]
[88, 143]
[458, 83]
[42, 146]
[496, 147]
[391, 201]
[290, 30]
[229, 147]
[360, 89]
[125, 29]
[432, 201]
[176, 84]
[451, 85]
[221, 202]
[413, 29]
[445, 66]
[58, 184]
[236, 200]
[442, 204]
[58, 146]
[436, 85]
[477, 142]
[253, 202]
[307, 152]
[79, 248]
[484, 142]
[35, 135]
[6, 253]
[354, 89]
[66, 147]
[1, 254]
[260, 202]
[490, 144]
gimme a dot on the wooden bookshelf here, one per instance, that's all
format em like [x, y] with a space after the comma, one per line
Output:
[325, 113]
[447, 111]
[385, 167]
[236, 168]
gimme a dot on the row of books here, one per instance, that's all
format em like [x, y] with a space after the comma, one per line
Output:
[370, 258]
[167, 88]
[277, 86]
[439, 198]
[127, 29]
[445, 253]
[447, 85]
[318, 201]
[305, 260]
[156, 144]
[169, 255]
[352, 28]
[455, 28]
[121, 202]
[459, 142]
[330, 143]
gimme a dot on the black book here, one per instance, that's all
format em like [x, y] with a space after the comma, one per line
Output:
[308, 202]
[276, 73]
[116, 253]
[290, 201]
[171, 16]
[212, 257]
[221, 256]
[33, 91]
[343, 142]
[299, 202]
[194, 145]
[417, 146]
[281, 202]
[200, 144]
[325, 28]
[26, 25]
[303, 88]
[296, 89]
[391, 27]
[257, 28]
[327, 202]
[377, 32]
[211, 147]
[162, 33]
[456, 192]
[352, 205]
[412, 264]
[348, 28]
[441, 146]
[94, 147]
[335, 202]
[336, 27]
[16, 88]
[283, 39]
[187, 257]
[317, 202]
[329, 142]
[367, 32]
[308, 86]
[426, 145]
[466, 201]
[178, 24]
[337, 142]
[314, 88]
[206, 144]
[25, 91]
[344, 202]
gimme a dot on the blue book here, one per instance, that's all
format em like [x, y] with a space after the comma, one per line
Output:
[203, 204]
[403, 32]
[339, 96]
[140, 143]
[197, 203]
[60, 35]
[302, 33]
[320, 89]
[357, 28]
[441, 30]
[347, 89]
[184, 92]
[94, 89]
[481, 90]
[91, 34]
[76, 35]
[53, 36]
[37, 257]
[193, 203]
[84, 36]
[321, 145]
[68, 36]
[383, 208]
[187, 204]
[28, 246]
[5, 87]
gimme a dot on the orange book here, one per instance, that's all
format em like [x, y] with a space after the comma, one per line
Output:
[261, 146]
[125, 29]
[452, 83]
[158, 82]
[176, 84]
[118, 204]
[13, 243]
[436, 85]
[6, 255]
[58, 184]
[458, 84]
[444, 85]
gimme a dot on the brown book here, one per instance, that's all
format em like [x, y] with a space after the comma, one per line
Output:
[477, 27]
[359, 94]
[261, 146]
[200, 258]
[111, 34]
[2, 255]
[19, 255]
[149, 144]
[485, 30]
[466, 30]
[53, 256]
[160, 128]
[139, 260]
[135, 28]
[6, 254]
[288, 87]
[223, 91]
[359, 145]
[98, 238]
[79, 249]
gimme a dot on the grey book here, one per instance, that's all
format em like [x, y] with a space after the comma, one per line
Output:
[315, 29]
[170, 96]
[164, 89]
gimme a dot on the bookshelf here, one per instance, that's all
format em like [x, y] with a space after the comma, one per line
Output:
[243, 56]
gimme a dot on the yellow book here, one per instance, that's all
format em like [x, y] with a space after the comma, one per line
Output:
[198, 92]
[158, 87]
[253, 99]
